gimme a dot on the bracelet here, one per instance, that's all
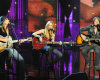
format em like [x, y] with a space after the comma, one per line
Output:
[38, 36]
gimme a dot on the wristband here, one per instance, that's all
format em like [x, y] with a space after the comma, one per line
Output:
[38, 36]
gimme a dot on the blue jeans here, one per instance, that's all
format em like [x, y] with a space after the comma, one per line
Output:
[13, 53]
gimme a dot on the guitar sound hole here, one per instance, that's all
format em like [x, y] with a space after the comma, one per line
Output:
[37, 42]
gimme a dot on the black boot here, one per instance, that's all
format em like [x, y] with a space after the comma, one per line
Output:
[20, 70]
[10, 64]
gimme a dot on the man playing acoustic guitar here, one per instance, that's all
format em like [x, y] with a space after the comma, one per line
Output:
[94, 32]
[48, 33]
[5, 34]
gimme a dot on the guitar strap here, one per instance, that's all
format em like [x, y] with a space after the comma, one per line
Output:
[7, 42]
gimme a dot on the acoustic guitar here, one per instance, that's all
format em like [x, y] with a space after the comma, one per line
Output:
[8, 44]
[80, 41]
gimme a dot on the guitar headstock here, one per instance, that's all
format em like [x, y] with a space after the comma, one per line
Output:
[72, 43]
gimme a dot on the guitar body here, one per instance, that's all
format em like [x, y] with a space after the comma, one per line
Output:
[4, 45]
[80, 41]
[10, 42]
[1, 46]
[37, 44]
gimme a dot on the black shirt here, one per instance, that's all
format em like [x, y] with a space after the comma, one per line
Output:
[4, 34]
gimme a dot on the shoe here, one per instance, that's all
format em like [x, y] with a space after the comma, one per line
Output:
[97, 68]
[10, 67]
[51, 67]
[87, 66]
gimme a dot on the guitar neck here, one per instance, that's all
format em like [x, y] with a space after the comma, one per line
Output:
[15, 41]
[94, 39]
[57, 43]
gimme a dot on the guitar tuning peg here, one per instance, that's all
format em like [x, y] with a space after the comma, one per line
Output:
[71, 43]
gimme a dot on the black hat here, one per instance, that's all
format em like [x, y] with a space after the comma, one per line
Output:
[2, 19]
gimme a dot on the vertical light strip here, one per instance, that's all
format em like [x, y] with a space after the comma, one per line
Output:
[59, 11]
[18, 10]
[70, 64]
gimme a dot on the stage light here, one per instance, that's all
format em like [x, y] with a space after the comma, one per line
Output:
[41, 14]
[92, 13]
[8, 10]
[69, 5]
[21, 32]
[75, 8]
[25, 13]
[74, 21]
[93, 3]
[15, 3]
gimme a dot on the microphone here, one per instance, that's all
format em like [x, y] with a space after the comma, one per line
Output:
[11, 23]
[52, 30]
[97, 25]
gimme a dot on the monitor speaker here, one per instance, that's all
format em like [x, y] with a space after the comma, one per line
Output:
[77, 76]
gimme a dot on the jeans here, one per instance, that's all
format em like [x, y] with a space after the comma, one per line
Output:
[12, 53]
[97, 53]
[55, 51]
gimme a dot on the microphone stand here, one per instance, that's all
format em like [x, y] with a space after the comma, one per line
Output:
[18, 48]
[63, 45]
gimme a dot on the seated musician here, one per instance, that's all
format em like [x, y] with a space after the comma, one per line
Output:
[94, 32]
[5, 33]
[47, 33]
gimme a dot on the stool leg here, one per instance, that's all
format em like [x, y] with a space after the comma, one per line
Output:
[89, 65]
[46, 67]
[48, 72]
[85, 66]
[93, 67]
[45, 71]
[39, 66]
[99, 75]
[8, 72]
[54, 74]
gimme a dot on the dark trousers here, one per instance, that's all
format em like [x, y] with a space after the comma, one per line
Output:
[96, 48]
[51, 50]
[9, 54]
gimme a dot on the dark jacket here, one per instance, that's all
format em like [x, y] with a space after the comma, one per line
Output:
[91, 32]
[4, 34]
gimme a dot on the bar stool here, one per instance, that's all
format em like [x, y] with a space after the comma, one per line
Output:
[4, 74]
[90, 59]
[47, 69]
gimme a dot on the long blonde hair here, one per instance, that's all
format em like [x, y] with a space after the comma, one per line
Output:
[46, 30]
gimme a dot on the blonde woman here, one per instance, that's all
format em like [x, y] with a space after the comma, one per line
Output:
[48, 33]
